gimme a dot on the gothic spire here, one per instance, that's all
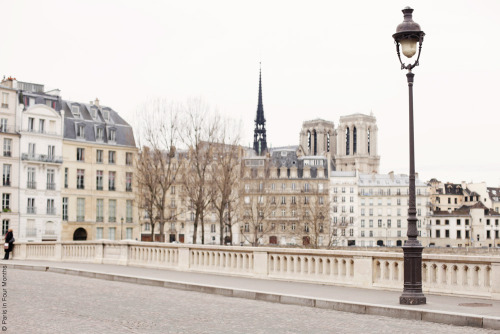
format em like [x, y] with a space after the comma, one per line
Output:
[260, 143]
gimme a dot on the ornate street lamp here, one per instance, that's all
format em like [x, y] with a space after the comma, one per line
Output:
[408, 34]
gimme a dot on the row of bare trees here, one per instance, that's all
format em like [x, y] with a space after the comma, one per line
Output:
[191, 148]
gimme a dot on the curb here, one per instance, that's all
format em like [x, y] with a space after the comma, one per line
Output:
[448, 318]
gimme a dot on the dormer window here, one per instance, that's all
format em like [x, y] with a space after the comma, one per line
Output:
[75, 110]
[105, 114]
[112, 135]
[80, 131]
[100, 134]
[93, 113]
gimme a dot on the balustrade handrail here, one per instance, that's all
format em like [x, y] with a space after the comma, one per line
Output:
[472, 275]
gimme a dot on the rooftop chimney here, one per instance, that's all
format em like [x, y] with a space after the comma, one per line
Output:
[96, 102]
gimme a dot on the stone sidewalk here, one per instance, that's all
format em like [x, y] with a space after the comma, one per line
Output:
[461, 311]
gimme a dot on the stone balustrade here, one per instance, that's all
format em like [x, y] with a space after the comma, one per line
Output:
[471, 275]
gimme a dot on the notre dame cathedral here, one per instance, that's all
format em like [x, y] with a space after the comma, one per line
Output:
[351, 146]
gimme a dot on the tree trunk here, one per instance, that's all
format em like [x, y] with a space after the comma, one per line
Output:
[202, 229]
[195, 226]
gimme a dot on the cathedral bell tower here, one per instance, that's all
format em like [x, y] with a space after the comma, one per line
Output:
[259, 137]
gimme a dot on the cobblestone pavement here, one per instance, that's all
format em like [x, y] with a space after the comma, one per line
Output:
[44, 302]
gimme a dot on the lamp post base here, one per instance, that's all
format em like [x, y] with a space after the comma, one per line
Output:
[412, 292]
[412, 299]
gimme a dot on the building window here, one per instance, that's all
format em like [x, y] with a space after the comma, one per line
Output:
[112, 233]
[129, 211]
[80, 179]
[80, 131]
[99, 179]
[129, 159]
[31, 124]
[80, 154]
[31, 178]
[111, 157]
[5, 226]
[128, 233]
[75, 110]
[5, 202]
[6, 175]
[41, 126]
[5, 102]
[98, 233]
[31, 150]
[7, 147]
[65, 208]
[80, 209]
[112, 135]
[128, 185]
[65, 177]
[112, 210]
[51, 210]
[99, 154]
[247, 227]
[99, 134]
[100, 210]
[111, 181]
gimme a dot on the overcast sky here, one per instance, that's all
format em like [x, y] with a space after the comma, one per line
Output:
[320, 59]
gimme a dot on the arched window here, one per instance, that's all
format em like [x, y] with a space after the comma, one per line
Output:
[347, 141]
[354, 141]
[315, 143]
[368, 139]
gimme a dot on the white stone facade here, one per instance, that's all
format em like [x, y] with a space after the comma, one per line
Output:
[40, 173]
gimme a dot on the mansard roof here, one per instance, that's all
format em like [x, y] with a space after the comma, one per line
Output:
[124, 133]
[453, 189]
[494, 194]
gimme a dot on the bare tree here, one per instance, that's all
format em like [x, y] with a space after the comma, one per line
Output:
[159, 129]
[147, 185]
[255, 207]
[199, 133]
[314, 212]
[225, 177]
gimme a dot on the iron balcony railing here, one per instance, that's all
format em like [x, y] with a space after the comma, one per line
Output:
[42, 158]
[31, 185]
[51, 186]
[51, 211]
[31, 210]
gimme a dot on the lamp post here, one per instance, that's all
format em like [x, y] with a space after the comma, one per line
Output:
[121, 229]
[408, 34]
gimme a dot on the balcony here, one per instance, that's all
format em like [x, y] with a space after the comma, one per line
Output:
[129, 219]
[99, 187]
[99, 219]
[80, 218]
[31, 210]
[31, 185]
[128, 188]
[42, 158]
[6, 129]
[5, 105]
[51, 186]
[80, 186]
[112, 219]
[6, 183]
[111, 188]
[49, 235]
[51, 211]
[7, 153]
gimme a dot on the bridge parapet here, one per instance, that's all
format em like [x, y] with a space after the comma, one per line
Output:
[477, 276]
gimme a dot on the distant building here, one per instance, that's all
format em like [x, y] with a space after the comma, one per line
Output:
[470, 225]
[9, 158]
[98, 193]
